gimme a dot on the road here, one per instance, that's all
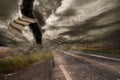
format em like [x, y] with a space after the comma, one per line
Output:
[74, 65]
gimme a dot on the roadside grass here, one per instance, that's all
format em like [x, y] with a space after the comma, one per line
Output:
[13, 63]
[98, 50]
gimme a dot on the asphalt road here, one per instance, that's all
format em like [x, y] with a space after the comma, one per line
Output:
[73, 65]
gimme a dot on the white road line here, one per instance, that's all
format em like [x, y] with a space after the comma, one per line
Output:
[94, 62]
[99, 56]
[58, 59]
[66, 74]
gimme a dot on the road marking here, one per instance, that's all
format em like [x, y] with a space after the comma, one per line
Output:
[99, 56]
[58, 59]
[66, 74]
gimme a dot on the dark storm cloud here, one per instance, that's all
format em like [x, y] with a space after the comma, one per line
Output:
[99, 28]
[103, 20]
[89, 21]
[67, 13]
[82, 2]
[82, 12]
[7, 8]
[46, 7]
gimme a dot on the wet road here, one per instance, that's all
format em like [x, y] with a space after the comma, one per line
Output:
[73, 65]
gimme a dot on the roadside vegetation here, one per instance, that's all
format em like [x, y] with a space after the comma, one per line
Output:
[96, 49]
[17, 62]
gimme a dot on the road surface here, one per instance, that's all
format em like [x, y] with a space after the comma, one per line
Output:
[74, 65]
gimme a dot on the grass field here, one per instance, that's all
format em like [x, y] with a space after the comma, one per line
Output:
[13, 63]
[99, 50]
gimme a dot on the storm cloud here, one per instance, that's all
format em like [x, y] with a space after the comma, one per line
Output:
[85, 21]
[80, 21]
[8, 9]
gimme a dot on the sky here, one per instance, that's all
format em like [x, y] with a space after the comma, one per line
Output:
[76, 20]
[84, 20]
[76, 11]
[8, 9]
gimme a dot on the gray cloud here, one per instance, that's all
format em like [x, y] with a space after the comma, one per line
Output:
[8, 8]
[89, 21]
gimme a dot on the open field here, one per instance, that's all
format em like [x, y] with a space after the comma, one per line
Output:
[20, 61]
[95, 49]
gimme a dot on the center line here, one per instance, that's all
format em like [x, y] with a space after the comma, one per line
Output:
[66, 74]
